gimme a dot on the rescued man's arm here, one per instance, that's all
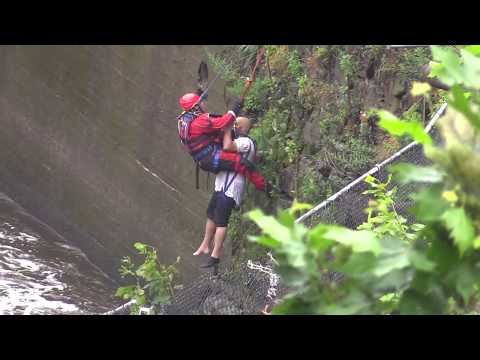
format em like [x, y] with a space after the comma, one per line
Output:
[228, 143]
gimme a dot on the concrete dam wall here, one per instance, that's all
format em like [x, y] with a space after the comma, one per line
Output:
[88, 145]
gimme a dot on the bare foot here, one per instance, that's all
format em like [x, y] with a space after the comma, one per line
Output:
[267, 310]
[201, 250]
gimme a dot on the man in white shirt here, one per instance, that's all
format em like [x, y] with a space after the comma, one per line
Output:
[229, 189]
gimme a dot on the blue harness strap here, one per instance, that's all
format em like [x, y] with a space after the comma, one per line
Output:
[216, 157]
[202, 154]
[227, 184]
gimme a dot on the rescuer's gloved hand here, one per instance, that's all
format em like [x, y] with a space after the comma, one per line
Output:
[237, 107]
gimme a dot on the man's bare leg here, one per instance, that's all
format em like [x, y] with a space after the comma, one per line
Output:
[220, 235]
[209, 232]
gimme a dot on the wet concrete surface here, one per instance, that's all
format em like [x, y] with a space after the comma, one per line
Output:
[88, 145]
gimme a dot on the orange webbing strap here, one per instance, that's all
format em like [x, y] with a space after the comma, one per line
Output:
[253, 74]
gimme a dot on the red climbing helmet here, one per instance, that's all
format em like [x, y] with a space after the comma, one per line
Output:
[187, 101]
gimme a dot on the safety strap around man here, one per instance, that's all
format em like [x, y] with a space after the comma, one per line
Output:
[226, 184]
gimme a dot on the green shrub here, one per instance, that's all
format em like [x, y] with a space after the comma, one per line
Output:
[153, 281]
[391, 267]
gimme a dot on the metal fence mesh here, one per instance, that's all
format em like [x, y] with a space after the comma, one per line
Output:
[242, 292]
[348, 209]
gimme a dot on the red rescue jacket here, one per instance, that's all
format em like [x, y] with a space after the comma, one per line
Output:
[201, 133]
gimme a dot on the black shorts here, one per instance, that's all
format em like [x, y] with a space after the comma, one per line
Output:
[220, 208]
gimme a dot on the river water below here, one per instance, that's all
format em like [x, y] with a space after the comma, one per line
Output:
[41, 273]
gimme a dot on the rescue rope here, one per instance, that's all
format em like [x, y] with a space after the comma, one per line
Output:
[274, 279]
[247, 87]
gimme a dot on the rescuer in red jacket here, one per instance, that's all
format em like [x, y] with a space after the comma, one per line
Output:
[201, 133]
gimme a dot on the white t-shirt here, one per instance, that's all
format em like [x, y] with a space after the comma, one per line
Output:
[245, 146]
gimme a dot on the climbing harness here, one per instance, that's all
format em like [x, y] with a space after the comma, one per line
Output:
[245, 156]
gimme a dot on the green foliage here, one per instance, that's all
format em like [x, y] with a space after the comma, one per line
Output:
[391, 267]
[461, 228]
[348, 66]
[258, 95]
[383, 219]
[227, 69]
[320, 52]
[309, 186]
[456, 69]
[407, 173]
[411, 62]
[372, 265]
[153, 281]
[295, 65]
[397, 127]
[292, 90]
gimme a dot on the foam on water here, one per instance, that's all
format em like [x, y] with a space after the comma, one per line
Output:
[42, 276]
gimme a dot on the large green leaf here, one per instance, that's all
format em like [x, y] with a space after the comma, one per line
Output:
[360, 241]
[295, 252]
[397, 127]
[420, 261]
[394, 280]
[441, 251]
[317, 239]
[406, 173]
[459, 101]
[358, 264]
[390, 262]
[355, 302]
[476, 243]
[285, 218]
[471, 66]
[296, 207]
[298, 232]
[265, 241]
[392, 245]
[270, 226]
[473, 49]
[294, 277]
[429, 204]
[461, 228]
[292, 305]
[465, 279]
[416, 303]
[451, 71]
